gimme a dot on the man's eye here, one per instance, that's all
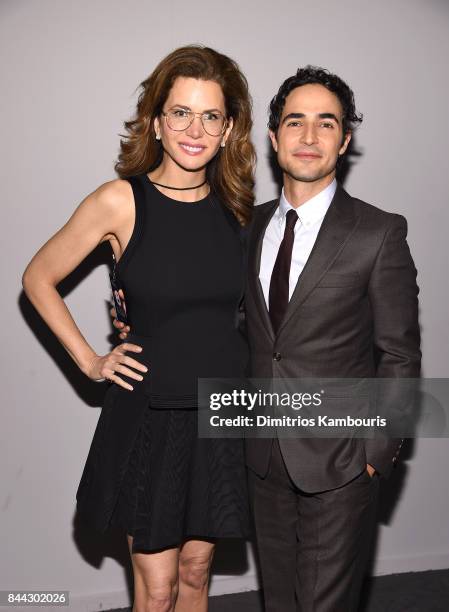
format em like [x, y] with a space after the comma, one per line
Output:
[327, 124]
[294, 124]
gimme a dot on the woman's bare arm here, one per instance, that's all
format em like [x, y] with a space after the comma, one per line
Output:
[102, 215]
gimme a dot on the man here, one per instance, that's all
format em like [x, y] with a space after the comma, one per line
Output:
[331, 293]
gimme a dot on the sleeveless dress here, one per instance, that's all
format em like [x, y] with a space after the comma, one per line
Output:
[147, 471]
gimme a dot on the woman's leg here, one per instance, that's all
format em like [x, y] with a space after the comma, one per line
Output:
[195, 558]
[155, 579]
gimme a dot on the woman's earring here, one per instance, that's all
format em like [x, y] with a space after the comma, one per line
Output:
[223, 144]
[158, 136]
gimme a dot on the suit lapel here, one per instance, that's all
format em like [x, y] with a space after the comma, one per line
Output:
[338, 224]
[261, 219]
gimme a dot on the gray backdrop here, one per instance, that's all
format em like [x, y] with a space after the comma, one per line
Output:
[68, 76]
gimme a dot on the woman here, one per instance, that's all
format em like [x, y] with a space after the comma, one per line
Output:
[173, 220]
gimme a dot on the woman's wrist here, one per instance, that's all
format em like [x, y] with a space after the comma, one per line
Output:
[87, 366]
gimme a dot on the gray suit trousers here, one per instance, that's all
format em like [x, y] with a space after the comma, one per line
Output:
[313, 547]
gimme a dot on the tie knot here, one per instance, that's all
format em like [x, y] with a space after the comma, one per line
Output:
[291, 218]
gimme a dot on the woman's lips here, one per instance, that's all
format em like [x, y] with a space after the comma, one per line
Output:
[191, 149]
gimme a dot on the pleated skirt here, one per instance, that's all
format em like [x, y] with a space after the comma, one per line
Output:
[178, 486]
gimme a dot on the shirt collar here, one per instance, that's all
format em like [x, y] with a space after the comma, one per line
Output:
[312, 210]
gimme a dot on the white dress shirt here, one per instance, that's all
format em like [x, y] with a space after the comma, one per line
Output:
[311, 215]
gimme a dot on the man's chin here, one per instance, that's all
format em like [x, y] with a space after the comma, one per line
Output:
[306, 178]
[309, 177]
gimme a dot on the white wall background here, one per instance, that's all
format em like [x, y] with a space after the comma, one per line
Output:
[68, 74]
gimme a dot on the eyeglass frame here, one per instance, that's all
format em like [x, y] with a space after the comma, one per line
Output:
[223, 129]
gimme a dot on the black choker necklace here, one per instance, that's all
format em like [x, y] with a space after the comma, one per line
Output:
[179, 188]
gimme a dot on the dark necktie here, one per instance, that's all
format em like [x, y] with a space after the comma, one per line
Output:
[279, 284]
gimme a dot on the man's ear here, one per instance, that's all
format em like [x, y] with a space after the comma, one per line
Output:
[273, 139]
[345, 144]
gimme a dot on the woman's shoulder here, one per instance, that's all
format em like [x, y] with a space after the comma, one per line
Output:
[114, 192]
[115, 198]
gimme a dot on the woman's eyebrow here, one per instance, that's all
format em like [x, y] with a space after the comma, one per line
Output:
[207, 110]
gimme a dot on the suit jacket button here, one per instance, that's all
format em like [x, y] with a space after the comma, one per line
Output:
[277, 356]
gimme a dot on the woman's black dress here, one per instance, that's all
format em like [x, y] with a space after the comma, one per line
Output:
[147, 470]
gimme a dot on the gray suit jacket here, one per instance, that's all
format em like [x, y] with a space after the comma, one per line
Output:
[353, 314]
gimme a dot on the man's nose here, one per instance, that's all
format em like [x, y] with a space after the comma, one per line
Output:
[309, 134]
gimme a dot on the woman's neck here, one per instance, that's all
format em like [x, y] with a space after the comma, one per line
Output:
[191, 185]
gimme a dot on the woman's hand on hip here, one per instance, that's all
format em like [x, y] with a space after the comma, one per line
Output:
[108, 366]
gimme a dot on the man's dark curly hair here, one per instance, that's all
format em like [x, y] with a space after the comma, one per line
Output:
[316, 75]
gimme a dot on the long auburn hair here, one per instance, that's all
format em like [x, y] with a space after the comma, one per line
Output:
[231, 172]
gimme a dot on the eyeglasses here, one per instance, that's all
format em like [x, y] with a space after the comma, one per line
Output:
[180, 119]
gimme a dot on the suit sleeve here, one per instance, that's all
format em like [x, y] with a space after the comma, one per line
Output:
[393, 294]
